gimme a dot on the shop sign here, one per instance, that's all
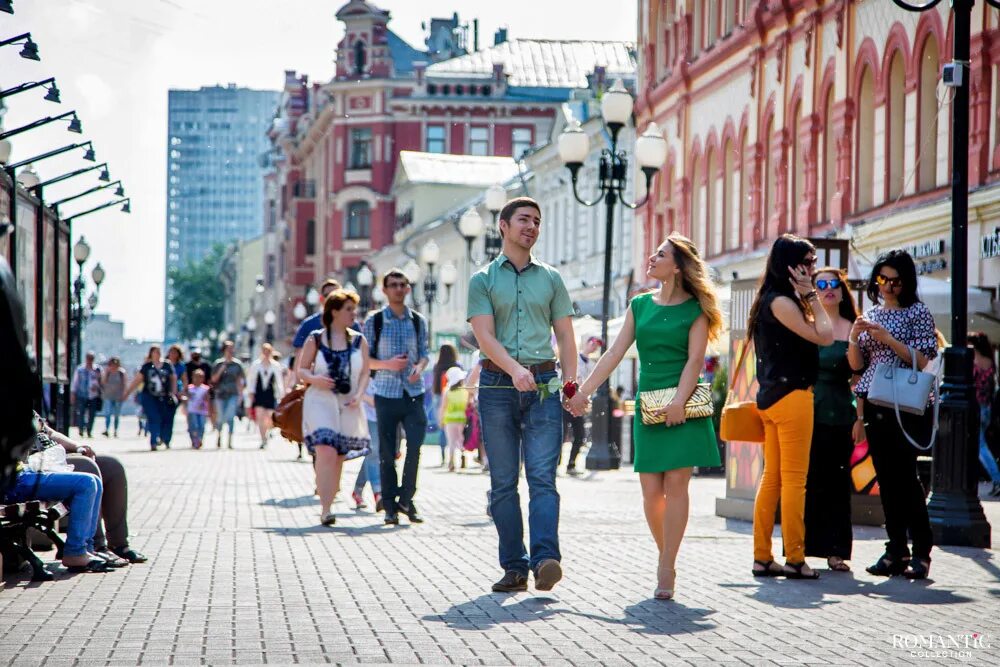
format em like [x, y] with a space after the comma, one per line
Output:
[927, 256]
[989, 245]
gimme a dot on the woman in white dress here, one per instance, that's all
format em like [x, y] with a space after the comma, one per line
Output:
[334, 364]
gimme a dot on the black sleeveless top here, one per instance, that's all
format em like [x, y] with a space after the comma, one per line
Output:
[785, 361]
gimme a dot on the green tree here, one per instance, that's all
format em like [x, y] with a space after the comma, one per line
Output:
[198, 295]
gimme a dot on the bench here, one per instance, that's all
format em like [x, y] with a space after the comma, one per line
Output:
[17, 518]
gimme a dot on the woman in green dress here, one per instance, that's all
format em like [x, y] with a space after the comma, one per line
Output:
[671, 328]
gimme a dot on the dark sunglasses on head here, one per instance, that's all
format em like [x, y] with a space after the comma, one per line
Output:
[809, 261]
[891, 282]
[832, 283]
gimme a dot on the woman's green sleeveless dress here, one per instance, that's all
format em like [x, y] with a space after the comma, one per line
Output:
[661, 336]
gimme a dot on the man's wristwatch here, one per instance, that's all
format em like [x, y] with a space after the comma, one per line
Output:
[570, 388]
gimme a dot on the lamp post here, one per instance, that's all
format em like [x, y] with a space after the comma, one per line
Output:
[366, 280]
[956, 514]
[429, 255]
[251, 327]
[82, 309]
[299, 311]
[269, 320]
[496, 197]
[650, 153]
[312, 298]
[29, 50]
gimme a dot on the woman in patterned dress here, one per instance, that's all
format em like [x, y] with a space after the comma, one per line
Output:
[886, 332]
[334, 364]
[671, 327]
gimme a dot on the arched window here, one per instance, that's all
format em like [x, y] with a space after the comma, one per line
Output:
[895, 123]
[797, 165]
[927, 134]
[743, 206]
[358, 220]
[829, 157]
[866, 140]
[730, 203]
[359, 57]
[768, 177]
[712, 217]
[696, 229]
[310, 237]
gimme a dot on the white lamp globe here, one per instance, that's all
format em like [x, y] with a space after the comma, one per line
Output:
[365, 276]
[251, 324]
[496, 197]
[269, 318]
[28, 178]
[574, 144]
[471, 224]
[651, 148]
[412, 271]
[5, 148]
[449, 274]
[430, 253]
[81, 251]
[616, 104]
[312, 296]
[299, 311]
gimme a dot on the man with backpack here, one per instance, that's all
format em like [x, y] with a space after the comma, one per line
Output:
[397, 338]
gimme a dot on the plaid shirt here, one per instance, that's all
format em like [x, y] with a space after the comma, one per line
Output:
[397, 337]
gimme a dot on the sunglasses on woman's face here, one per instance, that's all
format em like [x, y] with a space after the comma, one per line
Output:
[832, 283]
[894, 283]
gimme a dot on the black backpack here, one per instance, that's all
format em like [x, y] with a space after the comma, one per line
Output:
[378, 321]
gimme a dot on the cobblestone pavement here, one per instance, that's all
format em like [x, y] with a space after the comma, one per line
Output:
[242, 573]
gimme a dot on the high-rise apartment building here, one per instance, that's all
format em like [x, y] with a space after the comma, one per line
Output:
[216, 137]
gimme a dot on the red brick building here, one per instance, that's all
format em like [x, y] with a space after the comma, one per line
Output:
[336, 144]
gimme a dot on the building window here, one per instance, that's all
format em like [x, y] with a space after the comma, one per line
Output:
[359, 57]
[866, 142]
[358, 216]
[521, 141]
[479, 141]
[310, 237]
[895, 122]
[361, 148]
[435, 139]
[927, 137]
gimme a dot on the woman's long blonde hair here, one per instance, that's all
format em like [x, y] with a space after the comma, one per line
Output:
[696, 281]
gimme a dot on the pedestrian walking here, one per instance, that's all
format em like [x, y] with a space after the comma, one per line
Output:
[267, 386]
[671, 328]
[984, 374]
[451, 415]
[334, 363]
[892, 331]
[447, 358]
[158, 394]
[175, 357]
[787, 326]
[838, 427]
[399, 358]
[197, 407]
[576, 425]
[515, 304]
[86, 394]
[369, 472]
[114, 380]
[228, 380]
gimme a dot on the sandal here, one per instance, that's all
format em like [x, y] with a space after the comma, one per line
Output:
[112, 559]
[329, 519]
[766, 569]
[94, 565]
[887, 566]
[837, 564]
[794, 571]
[665, 593]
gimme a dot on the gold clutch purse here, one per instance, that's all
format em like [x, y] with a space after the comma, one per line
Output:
[697, 407]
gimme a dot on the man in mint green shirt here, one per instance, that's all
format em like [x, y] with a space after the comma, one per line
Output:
[515, 304]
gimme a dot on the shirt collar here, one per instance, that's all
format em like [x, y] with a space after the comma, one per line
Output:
[388, 312]
[503, 259]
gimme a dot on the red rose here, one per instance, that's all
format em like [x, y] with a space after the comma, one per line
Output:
[569, 389]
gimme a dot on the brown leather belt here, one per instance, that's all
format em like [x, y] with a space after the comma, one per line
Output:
[536, 369]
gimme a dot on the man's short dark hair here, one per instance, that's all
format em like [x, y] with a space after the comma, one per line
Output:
[507, 212]
[394, 273]
[331, 284]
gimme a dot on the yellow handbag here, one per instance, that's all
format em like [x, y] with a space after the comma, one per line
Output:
[740, 420]
[699, 405]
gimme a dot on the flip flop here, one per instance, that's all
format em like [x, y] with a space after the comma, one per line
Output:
[129, 554]
[767, 571]
[95, 565]
[112, 559]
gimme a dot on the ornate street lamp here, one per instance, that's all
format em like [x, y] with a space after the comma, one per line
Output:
[29, 50]
[650, 153]
[98, 275]
[51, 90]
[269, 320]
[28, 178]
[74, 124]
[251, 327]
[366, 280]
[956, 514]
[496, 197]
[430, 254]
[299, 311]
[312, 298]
[471, 227]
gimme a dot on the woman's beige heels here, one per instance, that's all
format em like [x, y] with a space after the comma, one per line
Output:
[666, 593]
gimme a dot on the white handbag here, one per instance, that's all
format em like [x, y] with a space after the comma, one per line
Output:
[906, 389]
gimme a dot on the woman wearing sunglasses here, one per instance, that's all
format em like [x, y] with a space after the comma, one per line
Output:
[836, 429]
[787, 325]
[888, 330]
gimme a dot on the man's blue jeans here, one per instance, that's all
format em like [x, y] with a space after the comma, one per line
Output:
[79, 491]
[985, 455]
[225, 413]
[520, 426]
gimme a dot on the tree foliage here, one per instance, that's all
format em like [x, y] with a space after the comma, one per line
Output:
[198, 295]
